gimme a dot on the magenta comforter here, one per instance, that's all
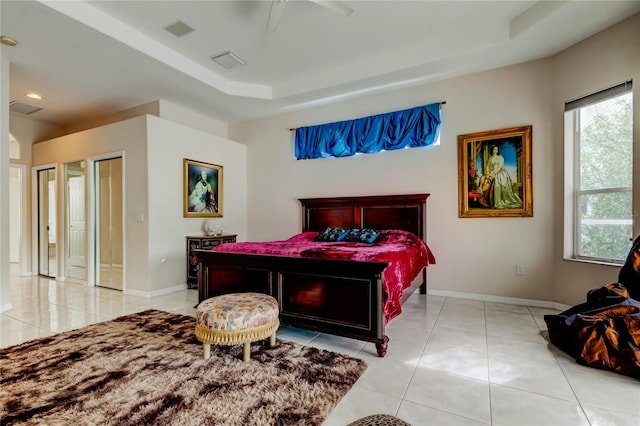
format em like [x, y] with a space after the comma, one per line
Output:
[406, 254]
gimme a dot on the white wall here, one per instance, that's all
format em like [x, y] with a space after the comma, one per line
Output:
[151, 108]
[168, 144]
[489, 248]
[129, 136]
[159, 108]
[177, 114]
[606, 59]
[154, 148]
[28, 130]
[476, 256]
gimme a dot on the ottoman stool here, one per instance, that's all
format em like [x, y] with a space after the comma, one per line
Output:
[236, 318]
[379, 420]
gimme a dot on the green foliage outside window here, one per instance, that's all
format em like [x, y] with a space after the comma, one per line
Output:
[605, 196]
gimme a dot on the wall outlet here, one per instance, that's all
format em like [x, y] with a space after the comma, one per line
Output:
[519, 269]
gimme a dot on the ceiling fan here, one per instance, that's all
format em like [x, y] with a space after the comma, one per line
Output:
[277, 7]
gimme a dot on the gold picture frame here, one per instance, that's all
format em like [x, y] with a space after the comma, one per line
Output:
[202, 189]
[494, 173]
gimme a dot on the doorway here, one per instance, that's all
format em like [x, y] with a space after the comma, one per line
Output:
[47, 249]
[109, 223]
[75, 226]
[18, 256]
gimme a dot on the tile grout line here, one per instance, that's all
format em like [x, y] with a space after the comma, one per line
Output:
[486, 339]
[415, 368]
[564, 374]
[424, 347]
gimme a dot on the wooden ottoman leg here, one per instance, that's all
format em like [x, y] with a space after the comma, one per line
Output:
[206, 347]
[246, 351]
[272, 340]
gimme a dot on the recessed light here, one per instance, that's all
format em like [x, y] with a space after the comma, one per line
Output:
[8, 41]
[34, 96]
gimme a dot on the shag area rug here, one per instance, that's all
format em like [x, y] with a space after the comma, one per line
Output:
[147, 368]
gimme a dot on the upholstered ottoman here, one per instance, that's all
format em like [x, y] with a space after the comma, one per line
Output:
[379, 420]
[236, 318]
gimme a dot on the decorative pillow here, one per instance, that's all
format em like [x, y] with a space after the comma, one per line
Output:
[361, 235]
[332, 234]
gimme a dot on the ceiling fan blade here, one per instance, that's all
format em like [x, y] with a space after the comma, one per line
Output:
[277, 7]
[336, 6]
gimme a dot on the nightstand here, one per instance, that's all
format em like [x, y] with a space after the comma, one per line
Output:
[202, 242]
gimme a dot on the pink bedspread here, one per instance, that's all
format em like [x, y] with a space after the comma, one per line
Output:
[405, 253]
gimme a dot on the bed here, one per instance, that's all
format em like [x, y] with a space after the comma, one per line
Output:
[344, 296]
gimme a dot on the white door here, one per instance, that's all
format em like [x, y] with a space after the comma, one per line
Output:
[76, 243]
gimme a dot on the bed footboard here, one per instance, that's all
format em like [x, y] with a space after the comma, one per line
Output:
[340, 297]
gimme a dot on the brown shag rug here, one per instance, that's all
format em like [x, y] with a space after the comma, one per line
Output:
[147, 368]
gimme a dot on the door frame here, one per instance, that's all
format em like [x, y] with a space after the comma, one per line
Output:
[23, 250]
[93, 261]
[35, 208]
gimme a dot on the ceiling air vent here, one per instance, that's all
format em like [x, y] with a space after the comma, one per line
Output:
[179, 29]
[15, 106]
[228, 60]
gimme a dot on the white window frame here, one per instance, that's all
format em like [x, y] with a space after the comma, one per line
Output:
[572, 194]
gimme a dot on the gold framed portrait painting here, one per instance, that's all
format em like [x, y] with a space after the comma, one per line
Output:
[494, 173]
[202, 189]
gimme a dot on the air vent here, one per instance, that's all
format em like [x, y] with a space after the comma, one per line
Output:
[15, 106]
[228, 60]
[179, 29]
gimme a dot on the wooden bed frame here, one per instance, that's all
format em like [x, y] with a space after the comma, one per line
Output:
[341, 297]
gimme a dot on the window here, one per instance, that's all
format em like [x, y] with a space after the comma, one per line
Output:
[598, 175]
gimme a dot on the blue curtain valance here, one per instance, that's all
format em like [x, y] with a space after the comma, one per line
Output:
[410, 128]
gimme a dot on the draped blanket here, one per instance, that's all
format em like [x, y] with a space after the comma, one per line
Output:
[406, 254]
[604, 332]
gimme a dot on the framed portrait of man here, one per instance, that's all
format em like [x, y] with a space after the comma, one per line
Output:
[202, 189]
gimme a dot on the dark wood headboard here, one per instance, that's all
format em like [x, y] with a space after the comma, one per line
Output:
[404, 212]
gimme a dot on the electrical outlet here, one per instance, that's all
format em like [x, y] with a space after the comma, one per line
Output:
[519, 269]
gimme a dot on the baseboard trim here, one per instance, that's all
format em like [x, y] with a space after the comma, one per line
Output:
[155, 293]
[500, 299]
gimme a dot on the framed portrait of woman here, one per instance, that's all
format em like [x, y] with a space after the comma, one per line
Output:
[202, 189]
[494, 173]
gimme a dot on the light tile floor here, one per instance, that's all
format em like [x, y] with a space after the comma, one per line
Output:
[450, 361]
